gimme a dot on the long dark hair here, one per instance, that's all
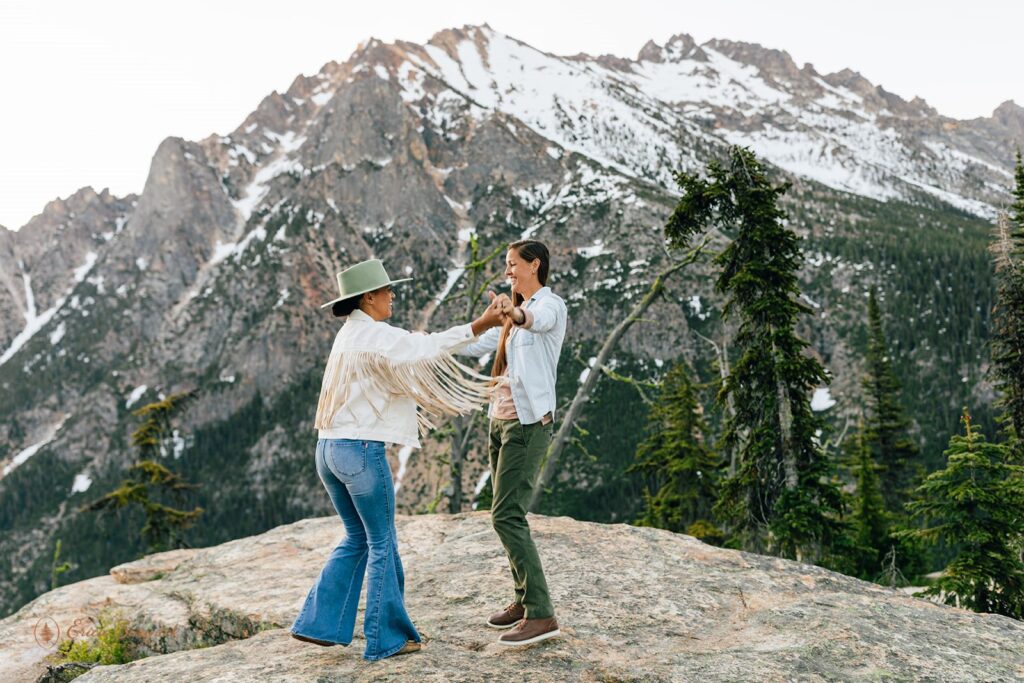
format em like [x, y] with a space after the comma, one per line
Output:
[528, 250]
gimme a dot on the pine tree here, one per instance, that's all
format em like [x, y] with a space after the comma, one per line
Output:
[781, 497]
[1017, 207]
[148, 479]
[976, 506]
[1008, 333]
[870, 522]
[887, 427]
[678, 465]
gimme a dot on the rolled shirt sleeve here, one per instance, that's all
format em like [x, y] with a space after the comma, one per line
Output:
[543, 315]
[527, 319]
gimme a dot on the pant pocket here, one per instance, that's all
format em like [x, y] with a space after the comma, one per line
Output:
[349, 459]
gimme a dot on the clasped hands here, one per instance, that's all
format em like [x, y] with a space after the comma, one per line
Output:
[501, 309]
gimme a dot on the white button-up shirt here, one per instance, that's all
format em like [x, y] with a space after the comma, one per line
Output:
[533, 362]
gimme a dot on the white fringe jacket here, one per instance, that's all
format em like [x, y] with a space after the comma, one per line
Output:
[377, 374]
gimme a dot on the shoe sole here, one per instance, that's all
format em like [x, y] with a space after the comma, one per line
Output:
[502, 627]
[321, 643]
[531, 641]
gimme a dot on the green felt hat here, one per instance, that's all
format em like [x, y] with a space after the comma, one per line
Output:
[361, 278]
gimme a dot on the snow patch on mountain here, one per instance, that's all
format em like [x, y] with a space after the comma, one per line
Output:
[81, 483]
[35, 322]
[259, 186]
[24, 454]
[822, 399]
[135, 395]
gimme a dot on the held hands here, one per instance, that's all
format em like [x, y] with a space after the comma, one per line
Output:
[510, 311]
[494, 314]
[497, 312]
[502, 303]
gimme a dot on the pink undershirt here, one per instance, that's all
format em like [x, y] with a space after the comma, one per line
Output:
[503, 407]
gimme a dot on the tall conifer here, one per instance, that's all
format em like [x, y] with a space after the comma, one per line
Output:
[781, 498]
[149, 481]
[869, 519]
[678, 465]
[887, 427]
[1008, 333]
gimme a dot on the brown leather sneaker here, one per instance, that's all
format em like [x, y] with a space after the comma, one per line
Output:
[305, 639]
[530, 631]
[508, 617]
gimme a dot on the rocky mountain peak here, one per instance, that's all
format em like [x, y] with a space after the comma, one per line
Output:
[612, 62]
[449, 39]
[922, 107]
[1011, 115]
[679, 47]
[59, 210]
[182, 213]
[1009, 108]
[274, 112]
[302, 86]
[851, 80]
[57, 248]
[776, 64]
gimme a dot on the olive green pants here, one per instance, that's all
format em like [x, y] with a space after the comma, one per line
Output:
[516, 452]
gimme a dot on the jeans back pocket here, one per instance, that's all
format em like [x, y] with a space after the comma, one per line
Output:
[349, 457]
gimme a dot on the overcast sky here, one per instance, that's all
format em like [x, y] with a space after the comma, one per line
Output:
[89, 89]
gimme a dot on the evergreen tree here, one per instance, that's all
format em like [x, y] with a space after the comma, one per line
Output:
[976, 506]
[781, 497]
[678, 466]
[1008, 334]
[148, 480]
[870, 522]
[887, 427]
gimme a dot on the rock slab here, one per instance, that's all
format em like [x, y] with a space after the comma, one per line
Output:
[634, 604]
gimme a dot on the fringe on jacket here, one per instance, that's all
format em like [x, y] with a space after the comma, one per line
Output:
[440, 385]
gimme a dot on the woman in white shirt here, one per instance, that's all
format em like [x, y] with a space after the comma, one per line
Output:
[375, 378]
[527, 348]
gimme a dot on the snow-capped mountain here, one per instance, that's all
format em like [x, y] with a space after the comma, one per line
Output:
[209, 279]
[650, 116]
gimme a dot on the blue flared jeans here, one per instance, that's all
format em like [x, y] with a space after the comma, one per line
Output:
[358, 480]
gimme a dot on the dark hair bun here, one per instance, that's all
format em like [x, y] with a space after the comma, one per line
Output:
[342, 308]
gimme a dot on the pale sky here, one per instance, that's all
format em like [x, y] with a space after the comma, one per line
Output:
[89, 89]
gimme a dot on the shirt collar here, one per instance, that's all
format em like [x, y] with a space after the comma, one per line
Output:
[358, 314]
[539, 293]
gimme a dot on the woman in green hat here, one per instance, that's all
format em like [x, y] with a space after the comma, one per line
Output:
[376, 377]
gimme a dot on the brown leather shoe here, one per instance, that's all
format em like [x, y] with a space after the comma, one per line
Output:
[530, 631]
[409, 647]
[305, 639]
[508, 617]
